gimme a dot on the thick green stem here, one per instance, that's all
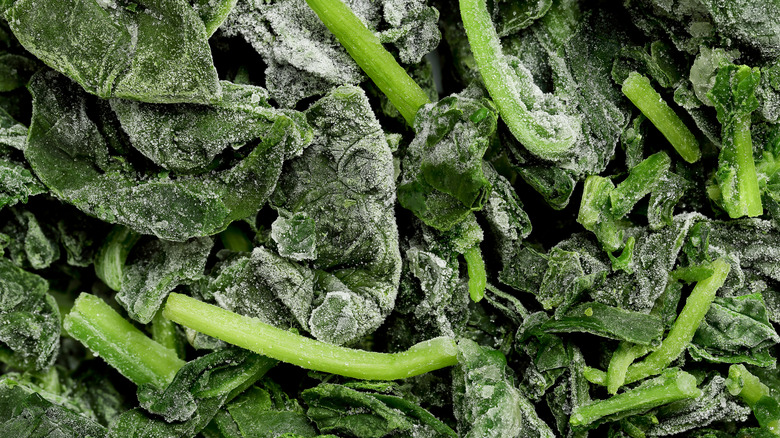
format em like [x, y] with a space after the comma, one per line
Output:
[142, 360]
[622, 358]
[683, 329]
[639, 91]
[475, 266]
[254, 335]
[745, 385]
[755, 394]
[749, 202]
[550, 139]
[364, 47]
[668, 388]
[110, 259]
[595, 376]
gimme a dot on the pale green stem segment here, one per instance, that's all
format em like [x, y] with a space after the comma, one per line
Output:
[747, 179]
[475, 266]
[111, 257]
[595, 376]
[745, 385]
[668, 388]
[766, 409]
[639, 91]
[683, 329]
[265, 339]
[622, 358]
[550, 139]
[142, 360]
[367, 51]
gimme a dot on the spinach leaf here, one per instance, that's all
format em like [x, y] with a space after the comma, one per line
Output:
[70, 131]
[442, 178]
[304, 59]
[160, 267]
[736, 330]
[25, 414]
[370, 415]
[486, 400]
[264, 411]
[29, 318]
[610, 322]
[187, 138]
[153, 51]
[191, 400]
[350, 287]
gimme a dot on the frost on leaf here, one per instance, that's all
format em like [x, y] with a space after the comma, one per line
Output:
[304, 59]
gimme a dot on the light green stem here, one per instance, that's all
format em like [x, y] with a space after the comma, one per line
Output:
[142, 360]
[745, 385]
[164, 333]
[110, 259]
[683, 329]
[548, 140]
[639, 91]
[595, 376]
[750, 202]
[475, 266]
[642, 179]
[254, 335]
[749, 388]
[364, 47]
[622, 358]
[668, 388]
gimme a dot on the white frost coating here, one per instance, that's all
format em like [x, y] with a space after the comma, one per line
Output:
[305, 59]
[545, 134]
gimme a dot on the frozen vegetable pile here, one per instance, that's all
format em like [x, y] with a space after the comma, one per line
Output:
[389, 218]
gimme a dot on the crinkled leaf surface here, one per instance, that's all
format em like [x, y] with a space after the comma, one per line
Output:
[442, 178]
[72, 153]
[368, 414]
[736, 330]
[344, 183]
[160, 267]
[486, 400]
[29, 317]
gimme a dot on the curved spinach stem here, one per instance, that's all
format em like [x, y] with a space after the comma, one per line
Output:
[477, 274]
[545, 135]
[622, 358]
[265, 339]
[366, 49]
